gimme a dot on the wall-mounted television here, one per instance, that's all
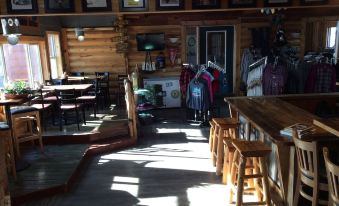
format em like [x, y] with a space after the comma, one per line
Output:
[150, 41]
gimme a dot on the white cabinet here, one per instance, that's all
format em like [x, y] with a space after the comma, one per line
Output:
[170, 88]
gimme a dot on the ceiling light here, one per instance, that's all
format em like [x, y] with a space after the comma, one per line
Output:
[11, 30]
[80, 34]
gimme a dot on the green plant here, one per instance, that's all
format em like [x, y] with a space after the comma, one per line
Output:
[18, 87]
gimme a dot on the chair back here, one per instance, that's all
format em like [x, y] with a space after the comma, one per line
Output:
[59, 81]
[307, 156]
[38, 97]
[77, 74]
[332, 171]
[65, 97]
[104, 78]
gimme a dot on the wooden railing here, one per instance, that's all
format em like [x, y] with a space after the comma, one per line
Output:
[131, 109]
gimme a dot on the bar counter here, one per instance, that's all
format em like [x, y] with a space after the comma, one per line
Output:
[270, 114]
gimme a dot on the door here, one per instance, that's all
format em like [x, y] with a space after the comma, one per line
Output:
[216, 45]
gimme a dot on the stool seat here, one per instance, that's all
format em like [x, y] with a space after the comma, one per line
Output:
[225, 121]
[251, 148]
[22, 109]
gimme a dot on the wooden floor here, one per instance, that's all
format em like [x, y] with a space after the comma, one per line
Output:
[170, 166]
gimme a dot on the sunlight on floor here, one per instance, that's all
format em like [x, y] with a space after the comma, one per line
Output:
[168, 156]
[156, 201]
[127, 184]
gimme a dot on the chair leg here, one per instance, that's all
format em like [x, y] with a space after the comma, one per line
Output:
[61, 116]
[84, 115]
[77, 116]
[95, 109]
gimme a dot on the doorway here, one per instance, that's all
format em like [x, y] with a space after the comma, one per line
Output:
[216, 45]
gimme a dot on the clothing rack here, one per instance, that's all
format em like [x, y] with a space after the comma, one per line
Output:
[215, 66]
[257, 63]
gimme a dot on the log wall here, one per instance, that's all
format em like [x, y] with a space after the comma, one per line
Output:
[96, 54]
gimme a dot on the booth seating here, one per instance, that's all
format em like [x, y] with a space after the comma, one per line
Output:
[256, 152]
[25, 126]
[332, 178]
[309, 172]
[221, 128]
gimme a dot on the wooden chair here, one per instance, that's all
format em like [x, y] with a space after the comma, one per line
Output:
[40, 104]
[332, 171]
[91, 97]
[245, 151]
[25, 126]
[308, 172]
[67, 102]
[104, 85]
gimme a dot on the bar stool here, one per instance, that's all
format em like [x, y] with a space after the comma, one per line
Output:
[224, 127]
[29, 118]
[246, 150]
[7, 152]
[333, 179]
[308, 172]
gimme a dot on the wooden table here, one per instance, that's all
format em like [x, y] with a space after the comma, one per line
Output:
[269, 115]
[77, 87]
[331, 125]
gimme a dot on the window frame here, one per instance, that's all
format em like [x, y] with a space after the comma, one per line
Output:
[32, 40]
[59, 57]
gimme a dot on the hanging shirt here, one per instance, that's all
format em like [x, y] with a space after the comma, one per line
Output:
[208, 80]
[185, 77]
[197, 96]
[274, 79]
[321, 78]
[246, 60]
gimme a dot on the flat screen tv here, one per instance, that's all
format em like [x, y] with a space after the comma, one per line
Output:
[150, 41]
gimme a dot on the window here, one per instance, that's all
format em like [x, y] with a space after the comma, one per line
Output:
[330, 37]
[20, 62]
[54, 54]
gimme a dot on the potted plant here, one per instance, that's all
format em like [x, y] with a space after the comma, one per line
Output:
[17, 90]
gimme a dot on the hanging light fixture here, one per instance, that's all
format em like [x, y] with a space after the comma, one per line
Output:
[80, 34]
[11, 30]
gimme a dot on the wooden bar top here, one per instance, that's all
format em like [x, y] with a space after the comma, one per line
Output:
[331, 125]
[11, 102]
[271, 115]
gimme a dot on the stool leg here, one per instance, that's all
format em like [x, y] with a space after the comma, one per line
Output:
[211, 137]
[226, 165]
[220, 152]
[256, 181]
[240, 185]
[233, 174]
[263, 168]
[214, 142]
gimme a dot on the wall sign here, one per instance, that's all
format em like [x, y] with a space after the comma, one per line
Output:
[59, 6]
[170, 4]
[132, 5]
[22, 6]
[96, 5]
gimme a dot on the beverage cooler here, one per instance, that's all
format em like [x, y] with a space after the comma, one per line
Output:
[170, 90]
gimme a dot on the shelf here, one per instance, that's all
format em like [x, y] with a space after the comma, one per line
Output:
[168, 71]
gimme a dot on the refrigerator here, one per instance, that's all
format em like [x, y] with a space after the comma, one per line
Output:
[170, 90]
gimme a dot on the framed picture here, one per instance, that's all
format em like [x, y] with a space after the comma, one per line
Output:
[170, 4]
[96, 5]
[132, 5]
[313, 2]
[22, 6]
[59, 6]
[242, 3]
[205, 4]
[277, 2]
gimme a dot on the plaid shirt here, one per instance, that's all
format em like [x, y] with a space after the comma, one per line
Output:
[321, 78]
